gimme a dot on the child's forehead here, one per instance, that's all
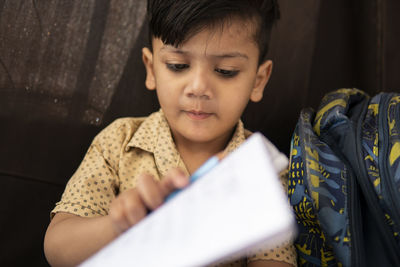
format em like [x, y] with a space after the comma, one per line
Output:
[225, 32]
[229, 26]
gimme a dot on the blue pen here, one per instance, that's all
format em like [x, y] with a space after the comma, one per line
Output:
[203, 169]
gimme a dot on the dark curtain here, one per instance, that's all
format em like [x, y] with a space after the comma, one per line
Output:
[69, 68]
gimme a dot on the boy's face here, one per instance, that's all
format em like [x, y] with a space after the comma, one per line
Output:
[204, 85]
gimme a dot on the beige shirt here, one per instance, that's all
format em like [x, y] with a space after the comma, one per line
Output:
[129, 147]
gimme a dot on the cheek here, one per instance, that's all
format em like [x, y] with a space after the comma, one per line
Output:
[234, 104]
[237, 95]
[165, 97]
[165, 89]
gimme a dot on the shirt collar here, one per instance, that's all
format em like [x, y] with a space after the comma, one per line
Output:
[238, 137]
[154, 136]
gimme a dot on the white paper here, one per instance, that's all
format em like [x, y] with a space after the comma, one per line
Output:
[238, 204]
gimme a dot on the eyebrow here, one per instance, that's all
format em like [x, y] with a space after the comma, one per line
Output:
[224, 55]
[231, 55]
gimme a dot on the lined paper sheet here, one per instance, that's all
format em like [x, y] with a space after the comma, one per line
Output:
[238, 204]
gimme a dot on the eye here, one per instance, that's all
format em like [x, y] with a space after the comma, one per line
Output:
[177, 67]
[227, 73]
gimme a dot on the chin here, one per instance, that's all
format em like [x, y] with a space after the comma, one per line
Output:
[198, 136]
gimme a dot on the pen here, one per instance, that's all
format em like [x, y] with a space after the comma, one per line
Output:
[203, 169]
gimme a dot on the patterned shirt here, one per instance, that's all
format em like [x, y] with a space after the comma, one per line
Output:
[129, 147]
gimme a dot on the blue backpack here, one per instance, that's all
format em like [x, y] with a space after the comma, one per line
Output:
[344, 180]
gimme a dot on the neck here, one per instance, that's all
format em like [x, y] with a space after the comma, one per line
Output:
[194, 154]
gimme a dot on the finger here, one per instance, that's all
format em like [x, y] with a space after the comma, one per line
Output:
[175, 179]
[149, 191]
[133, 207]
[221, 155]
[118, 217]
[126, 210]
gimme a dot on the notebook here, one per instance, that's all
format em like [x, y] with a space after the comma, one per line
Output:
[236, 206]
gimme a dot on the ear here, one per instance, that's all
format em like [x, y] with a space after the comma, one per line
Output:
[147, 57]
[262, 78]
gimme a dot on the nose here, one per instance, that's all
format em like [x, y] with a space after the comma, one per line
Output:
[199, 85]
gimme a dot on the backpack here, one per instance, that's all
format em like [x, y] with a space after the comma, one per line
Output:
[344, 180]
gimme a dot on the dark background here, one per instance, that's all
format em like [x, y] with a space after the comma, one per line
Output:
[69, 68]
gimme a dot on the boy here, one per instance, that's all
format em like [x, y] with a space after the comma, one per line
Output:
[207, 60]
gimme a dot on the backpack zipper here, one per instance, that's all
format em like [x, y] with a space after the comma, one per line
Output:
[358, 171]
[355, 218]
[353, 206]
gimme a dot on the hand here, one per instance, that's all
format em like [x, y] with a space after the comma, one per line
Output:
[132, 205]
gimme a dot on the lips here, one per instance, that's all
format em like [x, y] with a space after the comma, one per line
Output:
[198, 115]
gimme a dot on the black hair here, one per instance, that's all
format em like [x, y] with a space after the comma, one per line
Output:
[175, 21]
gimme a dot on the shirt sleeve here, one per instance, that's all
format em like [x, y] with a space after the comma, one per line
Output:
[95, 183]
[285, 252]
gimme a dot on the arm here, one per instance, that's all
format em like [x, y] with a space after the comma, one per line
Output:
[70, 239]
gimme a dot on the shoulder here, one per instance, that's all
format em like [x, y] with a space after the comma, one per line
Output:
[120, 129]
[124, 125]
